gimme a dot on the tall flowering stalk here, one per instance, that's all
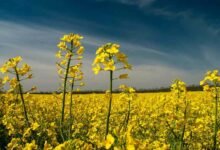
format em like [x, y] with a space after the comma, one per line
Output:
[20, 74]
[178, 89]
[71, 49]
[109, 58]
[211, 83]
[76, 76]
[127, 94]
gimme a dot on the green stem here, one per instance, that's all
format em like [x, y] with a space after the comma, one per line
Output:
[110, 104]
[129, 112]
[64, 94]
[184, 127]
[216, 119]
[70, 111]
[22, 98]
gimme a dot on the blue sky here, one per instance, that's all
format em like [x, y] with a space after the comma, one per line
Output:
[163, 39]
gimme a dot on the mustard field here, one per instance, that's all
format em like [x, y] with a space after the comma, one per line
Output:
[177, 120]
[156, 121]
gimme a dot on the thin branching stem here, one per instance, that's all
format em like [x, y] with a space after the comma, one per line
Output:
[216, 118]
[70, 109]
[64, 94]
[110, 104]
[22, 97]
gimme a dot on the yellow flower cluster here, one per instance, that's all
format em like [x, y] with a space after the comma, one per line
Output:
[69, 53]
[127, 93]
[74, 39]
[108, 57]
[11, 63]
[109, 141]
[211, 76]
[69, 46]
[178, 87]
[211, 82]
[126, 89]
[20, 72]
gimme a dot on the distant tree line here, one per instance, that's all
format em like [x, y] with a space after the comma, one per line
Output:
[152, 90]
